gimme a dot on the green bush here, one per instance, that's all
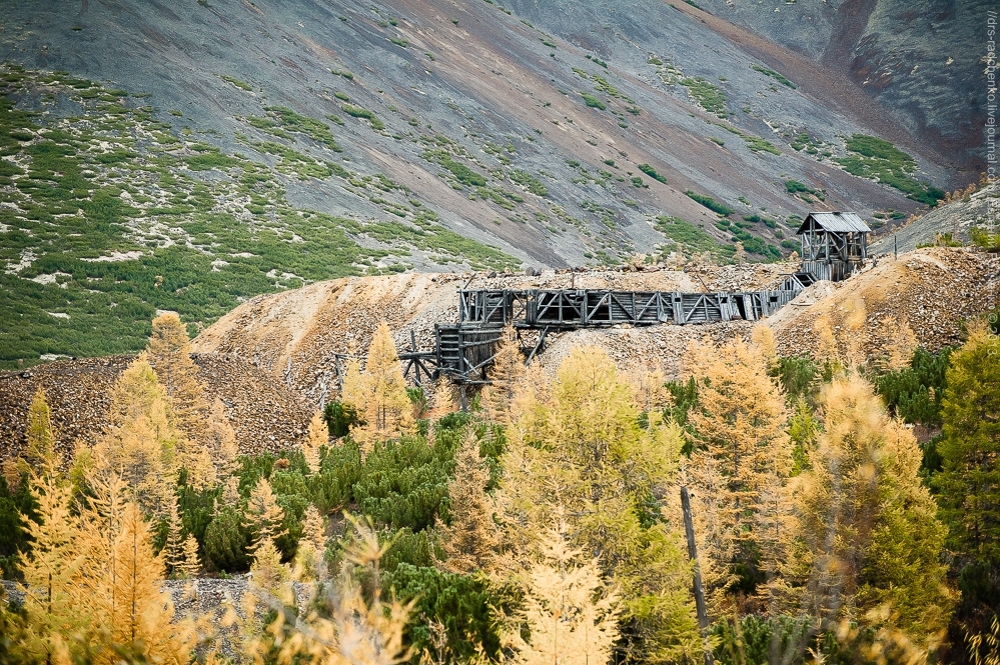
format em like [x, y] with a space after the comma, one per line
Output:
[340, 418]
[332, 488]
[651, 172]
[15, 508]
[404, 483]
[293, 496]
[915, 392]
[196, 509]
[462, 604]
[592, 101]
[226, 541]
[798, 375]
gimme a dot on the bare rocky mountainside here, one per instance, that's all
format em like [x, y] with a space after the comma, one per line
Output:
[165, 156]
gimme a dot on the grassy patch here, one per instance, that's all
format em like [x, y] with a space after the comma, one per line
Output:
[707, 94]
[710, 203]
[98, 231]
[780, 78]
[873, 158]
[242, 85]
[592, 102]
[691, 239]
[359, 112]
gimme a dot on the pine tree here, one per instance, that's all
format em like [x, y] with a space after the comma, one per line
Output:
[569, 609]
[140, 440]
[577, 449]
[741, 463]
[317, 438]
[264, 514]
[866, 531]
[40, 451]
[508, 369]
[969, 481]
[471, 539]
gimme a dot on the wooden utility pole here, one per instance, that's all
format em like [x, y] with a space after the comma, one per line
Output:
[699, 593]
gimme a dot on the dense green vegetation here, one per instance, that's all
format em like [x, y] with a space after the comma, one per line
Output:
[691, 239]
[874, 158]
[100, 229]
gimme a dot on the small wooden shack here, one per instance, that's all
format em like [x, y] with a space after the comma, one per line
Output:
[834, 244]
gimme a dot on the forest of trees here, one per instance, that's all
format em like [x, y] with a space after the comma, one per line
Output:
[543, 525]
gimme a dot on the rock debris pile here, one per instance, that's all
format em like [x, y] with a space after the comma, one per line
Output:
[267, 415]
[935, 290]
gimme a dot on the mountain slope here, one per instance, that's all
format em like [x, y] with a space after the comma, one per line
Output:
[234, 149]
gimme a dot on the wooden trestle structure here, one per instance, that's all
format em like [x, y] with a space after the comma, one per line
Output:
[833, 245]
[464, 350]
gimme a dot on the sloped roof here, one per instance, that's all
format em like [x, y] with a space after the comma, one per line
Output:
[838, 222]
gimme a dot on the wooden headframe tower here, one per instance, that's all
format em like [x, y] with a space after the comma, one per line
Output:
[834, 244]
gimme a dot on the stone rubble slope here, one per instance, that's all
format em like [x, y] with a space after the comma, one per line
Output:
[936, 289]
[267, 416]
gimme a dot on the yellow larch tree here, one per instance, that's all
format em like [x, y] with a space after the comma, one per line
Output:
[866, 531]
[379, 394]
[471, 539]
[57, 629]
[40, 449]
[264, 514]
[140, 441]
[220, 441]
[173, 549]
[317, 438]
[577, 449]
[131, 614]
[309, 564]
[740, 465]
[900, 344]
[854, 328]
[507, 371]
[826, 342]
[267, 573]
[190, 565]
[570, 610]
[169, 353]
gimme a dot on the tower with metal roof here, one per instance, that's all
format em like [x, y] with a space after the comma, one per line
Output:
[834, 244]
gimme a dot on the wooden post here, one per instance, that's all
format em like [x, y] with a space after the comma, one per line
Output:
[699, 593]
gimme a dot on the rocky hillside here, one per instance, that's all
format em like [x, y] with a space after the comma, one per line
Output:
[190, 156]
[919, 59]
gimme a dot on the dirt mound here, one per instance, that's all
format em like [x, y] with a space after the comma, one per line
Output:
[267, 416]
[935, 289]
